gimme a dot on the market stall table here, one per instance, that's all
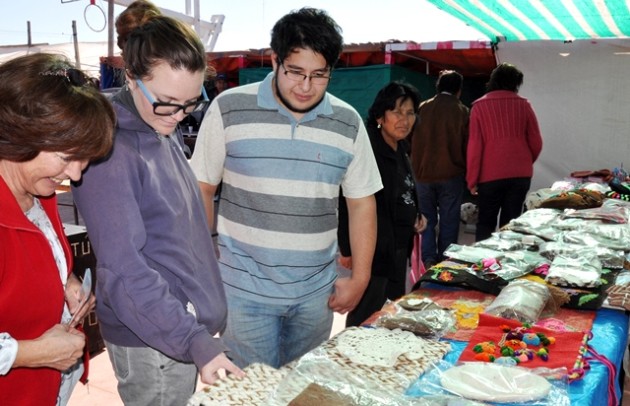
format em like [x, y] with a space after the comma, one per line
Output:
[610, 331]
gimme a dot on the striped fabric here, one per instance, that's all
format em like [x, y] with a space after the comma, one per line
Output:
[504, 20]
[277, 217]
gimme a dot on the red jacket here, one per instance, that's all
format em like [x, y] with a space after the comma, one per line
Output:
[31, 295]
[504, 139]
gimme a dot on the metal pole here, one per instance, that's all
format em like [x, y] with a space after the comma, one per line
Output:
[110, 28]
[28, 32]
[76, 44]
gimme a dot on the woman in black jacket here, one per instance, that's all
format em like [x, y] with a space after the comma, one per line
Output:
[390, 120]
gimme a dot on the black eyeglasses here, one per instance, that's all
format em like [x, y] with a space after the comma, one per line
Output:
[317, 78]
[168, 109]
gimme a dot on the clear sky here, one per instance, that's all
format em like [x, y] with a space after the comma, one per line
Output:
[247, 22]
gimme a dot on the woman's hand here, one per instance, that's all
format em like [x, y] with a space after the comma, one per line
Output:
[59, 348]
[345, 262]
[421, 224]
[209, 373]
[76, 299]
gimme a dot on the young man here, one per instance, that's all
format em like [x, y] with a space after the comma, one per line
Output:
[438, 158]
[282, 149]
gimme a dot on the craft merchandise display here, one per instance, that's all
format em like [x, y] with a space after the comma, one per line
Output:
[501, 297]
[366, 364]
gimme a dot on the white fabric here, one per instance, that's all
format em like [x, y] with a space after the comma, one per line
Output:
[379, 346]
[8, 352]
[579, 92]
[39, 218]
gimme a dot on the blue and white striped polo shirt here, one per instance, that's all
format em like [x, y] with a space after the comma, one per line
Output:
[277, 219]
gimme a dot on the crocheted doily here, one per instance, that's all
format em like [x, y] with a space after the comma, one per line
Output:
[361, 351]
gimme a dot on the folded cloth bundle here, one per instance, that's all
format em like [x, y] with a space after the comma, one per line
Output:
[574, 199]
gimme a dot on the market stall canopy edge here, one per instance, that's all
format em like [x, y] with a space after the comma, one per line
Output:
[470, 58]
[542, 20]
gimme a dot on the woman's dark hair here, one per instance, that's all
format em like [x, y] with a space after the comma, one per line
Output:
[307, 28]
[505, 77]
[163, 39]
[386, 100]
[134, 16]
[47, 105]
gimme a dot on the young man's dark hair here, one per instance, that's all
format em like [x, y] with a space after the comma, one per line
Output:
[307, 28]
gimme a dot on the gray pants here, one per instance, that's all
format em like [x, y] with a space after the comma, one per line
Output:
[148, 377]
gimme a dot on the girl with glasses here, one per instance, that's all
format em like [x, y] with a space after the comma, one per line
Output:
[160, 298]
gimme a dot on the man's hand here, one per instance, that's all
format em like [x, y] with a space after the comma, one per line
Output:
[347, 294]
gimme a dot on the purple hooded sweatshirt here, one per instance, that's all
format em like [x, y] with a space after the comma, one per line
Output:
[158, 282]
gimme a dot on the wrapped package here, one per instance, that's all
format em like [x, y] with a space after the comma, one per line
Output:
[521, 300]
[420, 316]
[583, 270]
[612, 259]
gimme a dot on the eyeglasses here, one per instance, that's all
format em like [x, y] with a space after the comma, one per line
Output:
[316, 78]
[169, 109]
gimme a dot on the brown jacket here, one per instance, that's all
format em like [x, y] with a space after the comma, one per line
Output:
[438, 146]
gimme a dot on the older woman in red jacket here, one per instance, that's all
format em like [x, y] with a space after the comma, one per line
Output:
[52, 122]
[504, 142]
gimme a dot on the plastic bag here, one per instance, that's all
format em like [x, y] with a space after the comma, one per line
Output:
[582, 270]
[522, 300]
[501, 385]
[316, 378]
[612, 259]
[470, 254]
[420, 316]
[417, 266]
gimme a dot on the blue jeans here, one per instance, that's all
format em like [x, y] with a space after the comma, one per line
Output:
[440, 202]
[275, 334]
[146, 377]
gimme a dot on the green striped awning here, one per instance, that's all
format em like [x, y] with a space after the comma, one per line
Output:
[519, 20]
